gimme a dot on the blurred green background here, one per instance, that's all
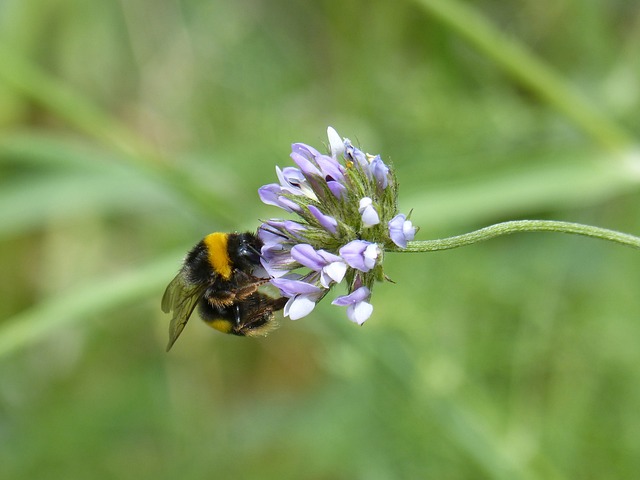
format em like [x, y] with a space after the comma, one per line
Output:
[130, 129]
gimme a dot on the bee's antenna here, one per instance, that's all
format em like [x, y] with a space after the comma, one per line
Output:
[272, 230]
[255, 250]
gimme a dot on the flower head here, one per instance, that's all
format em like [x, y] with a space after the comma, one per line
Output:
[345, 201]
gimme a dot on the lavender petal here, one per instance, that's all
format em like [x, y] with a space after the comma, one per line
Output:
[289, 287]
[380, 172]
[306, 256]
[328, 222]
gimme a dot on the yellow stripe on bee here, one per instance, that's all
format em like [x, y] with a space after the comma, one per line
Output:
[218, 254]
[221, 325]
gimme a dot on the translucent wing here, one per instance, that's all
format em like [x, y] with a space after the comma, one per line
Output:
[181, 298]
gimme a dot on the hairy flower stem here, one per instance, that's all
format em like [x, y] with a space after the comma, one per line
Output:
[515, 226]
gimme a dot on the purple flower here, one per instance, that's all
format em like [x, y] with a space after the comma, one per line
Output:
[290, 287]
[358, 309]
[276, 260]
[368, 212]
[331, 267]
[286, 227]
[306, 166]
[339, 191]
[270, 236]
[272, 195]
[330, 168]
[334, 270]
[288, 204]
[302, 296]
[319, 169]
[275, 254]
[293, 181]
[304, 150]
[346, 207]
[401, 230]
[360, 254]
[327, 222]
[357, 157]
[269, 194]
[380, 172]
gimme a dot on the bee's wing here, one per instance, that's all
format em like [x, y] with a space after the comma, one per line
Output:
[181, 298]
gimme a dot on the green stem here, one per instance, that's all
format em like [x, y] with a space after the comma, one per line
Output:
[515, 226]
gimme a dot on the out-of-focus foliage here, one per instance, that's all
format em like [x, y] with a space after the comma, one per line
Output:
[129, 129]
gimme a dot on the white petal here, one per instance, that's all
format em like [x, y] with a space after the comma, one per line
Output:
[336, 270]
[370, 216]
[359, 312]
[306, 189]
[370, 255]
[364, 203]
[301, 306]
[408, 230]
[335, 142]
[287, 306]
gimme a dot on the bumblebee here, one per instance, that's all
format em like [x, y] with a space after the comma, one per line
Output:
[217, 277]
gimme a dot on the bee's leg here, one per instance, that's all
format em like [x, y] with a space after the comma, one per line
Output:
[248, 284]
[250, 289]
[279, 303]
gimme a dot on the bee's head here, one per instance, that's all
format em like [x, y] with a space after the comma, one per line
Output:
[244, 250]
